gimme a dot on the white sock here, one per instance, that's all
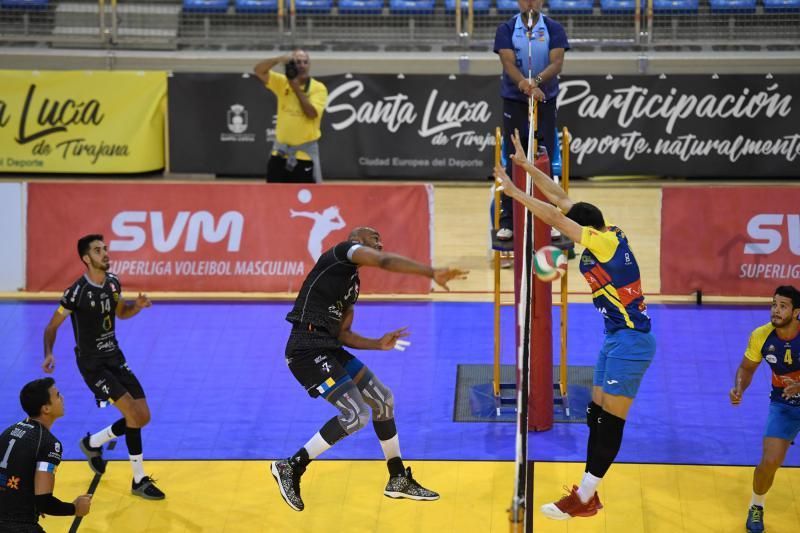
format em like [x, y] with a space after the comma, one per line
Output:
[137, 463]
[758, 499]
[588, 487]
[316, 445]
[101, 437]
[391, 447]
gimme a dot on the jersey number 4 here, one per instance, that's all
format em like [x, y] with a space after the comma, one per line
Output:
[4, 462]
[787, 357]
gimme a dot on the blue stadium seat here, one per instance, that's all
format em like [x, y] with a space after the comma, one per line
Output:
[508, 7]
[478, 6]
[363, 7]
[24, 4]
[411, 7]
[313, 6]
[675, 6]
[205, 6]
[571, 7]
[617, 6]
[256, 6]
[733, 6]
[781, 6]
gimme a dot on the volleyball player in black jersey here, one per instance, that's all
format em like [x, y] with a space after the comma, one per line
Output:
[93, 303]
[322, 317]
[29, 456]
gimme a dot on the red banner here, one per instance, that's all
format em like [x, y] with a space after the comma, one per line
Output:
[730, 241]
[221, 237]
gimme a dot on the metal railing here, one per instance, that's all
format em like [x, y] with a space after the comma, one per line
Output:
[168, 24]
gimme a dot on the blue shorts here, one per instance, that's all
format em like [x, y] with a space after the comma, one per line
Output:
[783, 421]
[625, 356]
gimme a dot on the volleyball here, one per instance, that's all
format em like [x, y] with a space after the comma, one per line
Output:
[549, 263]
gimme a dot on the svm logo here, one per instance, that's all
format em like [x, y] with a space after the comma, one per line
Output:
[131, 228]
[770, 228]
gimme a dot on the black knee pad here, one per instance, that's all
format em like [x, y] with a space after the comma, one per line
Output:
[592, 412]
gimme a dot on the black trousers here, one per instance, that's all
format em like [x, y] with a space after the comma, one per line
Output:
[515, 115]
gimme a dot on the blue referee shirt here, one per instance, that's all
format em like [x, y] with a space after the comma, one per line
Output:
[547, 35]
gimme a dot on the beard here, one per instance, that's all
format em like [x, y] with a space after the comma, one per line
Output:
[99, 265]
[777, 322]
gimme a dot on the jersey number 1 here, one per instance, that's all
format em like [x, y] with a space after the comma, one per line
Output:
[4, 462]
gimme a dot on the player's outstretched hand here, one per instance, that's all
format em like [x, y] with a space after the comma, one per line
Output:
[442, 276]
[390, 340]
[518, 156]
[49, 364]
[82, 504]
[504, 183]
[142, 301]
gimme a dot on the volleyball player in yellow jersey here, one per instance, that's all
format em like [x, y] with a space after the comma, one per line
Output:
[301, 102]
[610, 268]
[778, 342]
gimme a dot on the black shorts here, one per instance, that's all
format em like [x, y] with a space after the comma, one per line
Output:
[303, 171]
[20, 527]
[109, 377]
[317, 361]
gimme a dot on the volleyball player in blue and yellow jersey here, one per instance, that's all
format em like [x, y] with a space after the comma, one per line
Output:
[609, 266]
[777, 342]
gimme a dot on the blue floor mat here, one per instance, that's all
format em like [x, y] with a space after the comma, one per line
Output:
[218, 386]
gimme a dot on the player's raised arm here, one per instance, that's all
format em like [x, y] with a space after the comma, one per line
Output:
[547, 213]
[397, 263]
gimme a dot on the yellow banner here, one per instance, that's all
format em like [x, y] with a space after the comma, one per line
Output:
[82, 121]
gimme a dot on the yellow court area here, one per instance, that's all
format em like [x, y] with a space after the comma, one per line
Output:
[347, 496]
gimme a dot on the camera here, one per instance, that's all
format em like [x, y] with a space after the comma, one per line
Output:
[291, 70]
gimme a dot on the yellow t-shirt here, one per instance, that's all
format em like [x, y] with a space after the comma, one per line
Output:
[293, 126]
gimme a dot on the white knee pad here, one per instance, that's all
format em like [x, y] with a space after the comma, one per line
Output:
[379, 397]
[353, 411]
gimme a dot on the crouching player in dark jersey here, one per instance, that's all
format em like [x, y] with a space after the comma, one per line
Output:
[778, 342]
[321, 325]
[93, 303]
[29, 456]
[611, 270]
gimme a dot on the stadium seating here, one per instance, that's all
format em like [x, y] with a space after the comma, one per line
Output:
[675, 6]
[205, 6]
[256, 6]
[507, 7]
[617, 7]
[733, 6]
[24, 4]
[478, 6]
[313, 6]
[363, 7]
[782, 6]
[571, 7]
[411, 7]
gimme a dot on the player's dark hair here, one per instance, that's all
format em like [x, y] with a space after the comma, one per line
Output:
[35, 395]
[85, 242]
[586, 214]
[788, 291]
